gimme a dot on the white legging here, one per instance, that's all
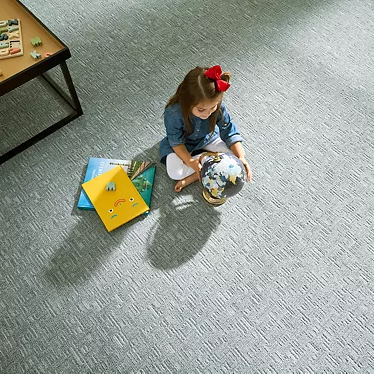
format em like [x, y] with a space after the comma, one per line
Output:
[178, 170]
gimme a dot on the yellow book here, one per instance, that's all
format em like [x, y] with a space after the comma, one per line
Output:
[115, 198]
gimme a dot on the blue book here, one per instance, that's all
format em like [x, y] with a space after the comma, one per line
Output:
[141, 174]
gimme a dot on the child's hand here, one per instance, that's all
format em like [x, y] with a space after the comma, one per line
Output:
[247, 168]
[195, 164]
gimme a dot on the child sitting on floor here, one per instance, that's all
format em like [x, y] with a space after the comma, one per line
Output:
[196, 120]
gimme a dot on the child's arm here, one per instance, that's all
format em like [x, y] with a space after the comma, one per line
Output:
[230, 134]
[238, 151]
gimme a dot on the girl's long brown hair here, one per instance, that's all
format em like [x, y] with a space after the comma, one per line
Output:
[194, 89]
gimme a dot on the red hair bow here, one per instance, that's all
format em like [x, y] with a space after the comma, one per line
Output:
[215, 73]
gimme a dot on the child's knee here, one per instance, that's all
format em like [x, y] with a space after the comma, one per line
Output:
[175, 174]
[174, 167]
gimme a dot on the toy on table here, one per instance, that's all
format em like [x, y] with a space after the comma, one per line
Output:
[10, 39]
[36, 42]
[35, 55]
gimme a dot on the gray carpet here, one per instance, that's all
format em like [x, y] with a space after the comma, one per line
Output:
[277, 280]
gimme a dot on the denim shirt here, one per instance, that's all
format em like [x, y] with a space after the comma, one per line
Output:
[200, 135]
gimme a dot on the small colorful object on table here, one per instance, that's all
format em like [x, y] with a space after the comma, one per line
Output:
[36, 41]
[14, 51]
[35, 55]
[10, 39]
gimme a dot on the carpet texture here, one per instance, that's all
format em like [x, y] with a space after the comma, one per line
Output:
[277, 280]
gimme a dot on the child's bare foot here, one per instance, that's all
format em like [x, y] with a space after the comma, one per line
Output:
[185, 182]
[179, 185]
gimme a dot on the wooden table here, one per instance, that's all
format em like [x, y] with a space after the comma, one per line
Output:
[21, 69]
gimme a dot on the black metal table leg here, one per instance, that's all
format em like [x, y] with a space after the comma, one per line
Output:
[73, 102]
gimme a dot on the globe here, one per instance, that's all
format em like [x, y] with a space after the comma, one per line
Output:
[222, 175]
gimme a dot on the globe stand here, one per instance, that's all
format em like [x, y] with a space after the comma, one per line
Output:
[213, 200]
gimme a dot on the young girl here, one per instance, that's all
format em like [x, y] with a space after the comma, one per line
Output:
[196, 120]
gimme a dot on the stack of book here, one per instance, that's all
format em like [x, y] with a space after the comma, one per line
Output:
[119, 190]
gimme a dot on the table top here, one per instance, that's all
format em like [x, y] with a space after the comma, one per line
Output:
[30, 28]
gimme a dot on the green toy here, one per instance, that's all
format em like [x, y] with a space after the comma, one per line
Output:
[36, 41]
